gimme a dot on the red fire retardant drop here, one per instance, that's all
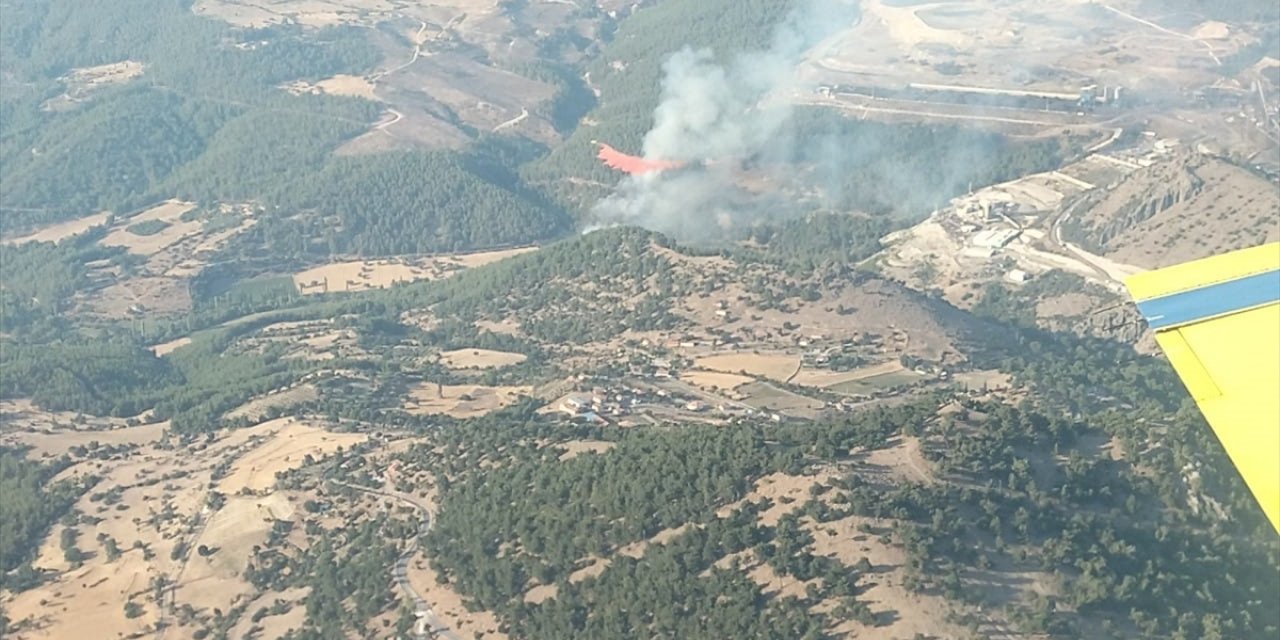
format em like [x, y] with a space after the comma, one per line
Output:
[633, 165]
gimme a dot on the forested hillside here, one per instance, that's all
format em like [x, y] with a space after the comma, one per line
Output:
[1117, 535]
[627, 73]
[206, 120]
[30, 505]
[116, 151]
[410, 203]
[270, 370]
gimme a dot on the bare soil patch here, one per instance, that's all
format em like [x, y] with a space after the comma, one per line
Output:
[156, 295]
[339, 85]
[901, 462]
[787, 492]
[58, 442]
[166, 348]
[244, 521]
[360, 275]
[448, 605]
[60, 231]
[715, 379]
[823, 378]
[480, 358]
[461, 401]
[292, 442]
[541, 593]
[636, 549]
[575, 448]
[917, 613]
[1187, 208]
[274, 627]
[257, 408]
[169, 212]
[593, 567]
[107, 73]
[773, 584]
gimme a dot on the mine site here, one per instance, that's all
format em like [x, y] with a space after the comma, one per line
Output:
[548, 319]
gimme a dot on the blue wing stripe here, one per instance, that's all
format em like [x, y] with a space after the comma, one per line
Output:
[1214, 300]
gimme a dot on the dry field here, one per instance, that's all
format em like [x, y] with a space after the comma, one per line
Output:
[61, 231]
[771, 584]
[767, 396]
[787, 493]
[153, 295]
[448, 606]
[901, 462]
[311, 13]
[159, 496]
[361, 275]
[81, 83]
[774, 366]
[637, 549]
[480, 358]
[917, 613]
[541, 593]
[823, 379]
[991, 378]
[575, 448]
[285, 450]
[274, 627]
[255, 409]
[715, 380]
[169, 212]
[106, 73]
[244, 521]
[462, 401]
[166, 348]
[339, 85]
[89, 600]
[53, 443]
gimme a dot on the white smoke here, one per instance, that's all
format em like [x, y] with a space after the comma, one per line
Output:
[717, 113]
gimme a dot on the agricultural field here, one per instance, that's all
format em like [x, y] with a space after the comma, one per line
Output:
[144, 244]
[60, 231]
[325, 320]
[480, 358]
[362, 275]
[461, 401]
[149, 511]
[779, 367]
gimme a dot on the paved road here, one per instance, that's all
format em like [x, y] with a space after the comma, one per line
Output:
[436, 627]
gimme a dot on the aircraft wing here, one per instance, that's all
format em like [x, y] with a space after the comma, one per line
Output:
[1218, 320]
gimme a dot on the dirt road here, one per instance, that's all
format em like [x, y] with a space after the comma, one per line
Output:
[435, 628]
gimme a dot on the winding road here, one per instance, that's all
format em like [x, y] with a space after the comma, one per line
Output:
[435, 628]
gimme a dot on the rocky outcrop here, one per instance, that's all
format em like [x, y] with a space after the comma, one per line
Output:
[1141, 196]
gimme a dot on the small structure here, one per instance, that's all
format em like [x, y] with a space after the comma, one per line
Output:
[575, 404]
[1018, 275]
[995, 238]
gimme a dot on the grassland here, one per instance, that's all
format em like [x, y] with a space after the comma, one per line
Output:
[774, 366]
[480, 358]
[461, 401]
[361, 275]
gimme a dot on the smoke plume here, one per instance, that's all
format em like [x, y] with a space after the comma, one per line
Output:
[720, 115]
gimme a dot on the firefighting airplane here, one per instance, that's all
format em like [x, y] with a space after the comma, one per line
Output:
[1218, 321]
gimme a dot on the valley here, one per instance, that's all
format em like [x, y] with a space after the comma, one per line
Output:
[325, 319]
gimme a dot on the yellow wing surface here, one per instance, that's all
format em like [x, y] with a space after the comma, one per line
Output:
[1218, 320]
